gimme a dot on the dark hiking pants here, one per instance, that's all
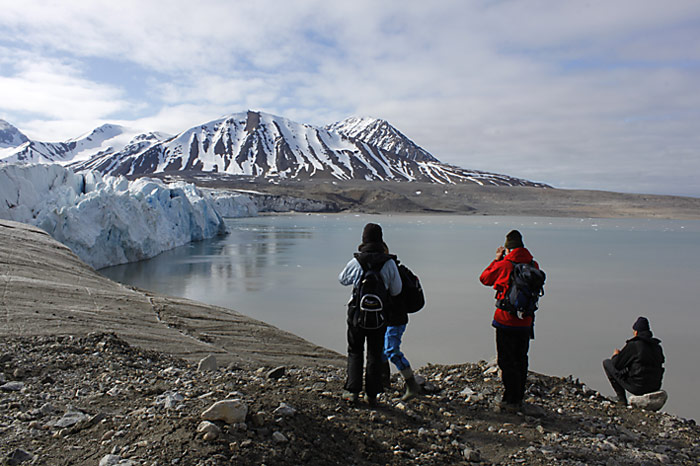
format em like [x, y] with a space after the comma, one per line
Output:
[512, 347]
[357, 337]
[619, 383]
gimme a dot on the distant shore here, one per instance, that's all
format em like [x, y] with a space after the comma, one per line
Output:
[464, 199]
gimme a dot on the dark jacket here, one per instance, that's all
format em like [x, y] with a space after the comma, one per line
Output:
[370, 257]
[641, 361]
[497, 274]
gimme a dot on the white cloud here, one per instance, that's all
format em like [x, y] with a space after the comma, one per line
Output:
[561, 92]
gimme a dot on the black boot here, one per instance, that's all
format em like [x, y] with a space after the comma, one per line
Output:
[412, 387]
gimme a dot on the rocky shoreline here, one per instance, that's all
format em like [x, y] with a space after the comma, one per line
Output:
[96, 400]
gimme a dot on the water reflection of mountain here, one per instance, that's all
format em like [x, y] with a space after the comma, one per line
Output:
[236, 261]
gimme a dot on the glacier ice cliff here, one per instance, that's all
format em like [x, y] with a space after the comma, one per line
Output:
[109, 220]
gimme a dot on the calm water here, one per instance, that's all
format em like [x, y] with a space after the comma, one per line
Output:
[601, 275]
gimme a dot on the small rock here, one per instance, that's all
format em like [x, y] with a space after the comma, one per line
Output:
[279, 437]
[229, 411]
[19, 456]
[471, 454]
[258, 419]
[19, 373]
[169, 400]
[47, 409]
[108, 435]
[110, 460]
[2, 377]
[71, 418]
[284, 410]
[277, 372]
[651, 401]
[208, 364]
[12, 386]
[208, 427]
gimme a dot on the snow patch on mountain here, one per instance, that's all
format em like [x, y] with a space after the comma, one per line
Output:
[10, 137]
[105, 140]
[109, 220]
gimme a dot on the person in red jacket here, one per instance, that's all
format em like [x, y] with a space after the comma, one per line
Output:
[512, 333]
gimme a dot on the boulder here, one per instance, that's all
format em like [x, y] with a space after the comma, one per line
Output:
[653, 401]
[208, 364]
[229, 411]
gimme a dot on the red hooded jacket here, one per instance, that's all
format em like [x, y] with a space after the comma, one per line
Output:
[497, 275]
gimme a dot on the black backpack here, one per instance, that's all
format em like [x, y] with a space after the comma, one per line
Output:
[370, 299]
[411, 299]
[525, 286]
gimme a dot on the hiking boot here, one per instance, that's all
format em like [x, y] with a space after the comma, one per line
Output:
[509, 408]
[529, 409]
[412, 387]
[352, 397]
[371, 399]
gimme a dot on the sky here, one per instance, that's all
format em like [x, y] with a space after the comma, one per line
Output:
[583, 94]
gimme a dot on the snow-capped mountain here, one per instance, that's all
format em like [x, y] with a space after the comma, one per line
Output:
[10, 137]
[105, 140]
[265, 146]
[379, 133]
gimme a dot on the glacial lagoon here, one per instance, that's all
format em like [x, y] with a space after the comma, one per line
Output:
[601, 275]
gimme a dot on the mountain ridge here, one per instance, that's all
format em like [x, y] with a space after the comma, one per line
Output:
[261, 145]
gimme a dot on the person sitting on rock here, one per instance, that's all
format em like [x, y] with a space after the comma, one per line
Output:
[638, 367]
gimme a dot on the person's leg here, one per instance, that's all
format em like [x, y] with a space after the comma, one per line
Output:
[392, 346]
[356, 344]
[521, 342]
[392, 349]
[507, 362]
[615, 380]
[374, 371]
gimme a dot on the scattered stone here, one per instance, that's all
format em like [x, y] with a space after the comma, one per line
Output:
[279, 437]
[115, 460]
[208, 364]
[12, 386]
[229, 411]
[472, 455]
[277, 372]
[169, 400]
[71, 418]
[284, 410]
[19, 456]
[651, 401]
[207, 427]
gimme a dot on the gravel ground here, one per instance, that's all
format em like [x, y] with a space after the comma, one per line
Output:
[96, 400]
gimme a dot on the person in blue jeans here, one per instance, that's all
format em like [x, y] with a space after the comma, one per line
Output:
[396, 321]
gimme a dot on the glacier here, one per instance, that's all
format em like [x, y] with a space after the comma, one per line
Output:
[108, 220]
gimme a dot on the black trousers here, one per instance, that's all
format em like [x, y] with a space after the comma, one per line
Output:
[357, 337]
[512, 347]
[619, 383]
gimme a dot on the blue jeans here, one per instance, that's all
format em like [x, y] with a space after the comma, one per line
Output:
[392, 346]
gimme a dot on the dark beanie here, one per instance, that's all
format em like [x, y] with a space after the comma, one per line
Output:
[372, 234]
[641, 325]
[514, 240]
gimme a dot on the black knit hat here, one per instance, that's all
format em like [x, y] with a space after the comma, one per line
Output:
[372, 234]
[514, 240]
[641, 324]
